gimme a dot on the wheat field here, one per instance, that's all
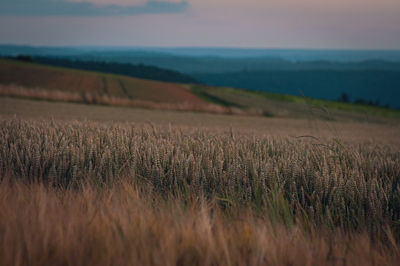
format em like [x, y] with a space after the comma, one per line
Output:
[126, 193]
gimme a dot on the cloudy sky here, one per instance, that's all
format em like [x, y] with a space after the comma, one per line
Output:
[337, 24]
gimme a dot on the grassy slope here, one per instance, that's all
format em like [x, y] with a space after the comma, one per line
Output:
[281, 105]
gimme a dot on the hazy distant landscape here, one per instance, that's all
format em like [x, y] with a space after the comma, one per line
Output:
[370, 76]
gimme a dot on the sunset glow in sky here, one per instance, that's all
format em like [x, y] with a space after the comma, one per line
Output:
[327, 24]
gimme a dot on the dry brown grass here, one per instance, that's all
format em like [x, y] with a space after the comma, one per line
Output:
[128, 224]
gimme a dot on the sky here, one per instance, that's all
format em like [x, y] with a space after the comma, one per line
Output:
[309, 24]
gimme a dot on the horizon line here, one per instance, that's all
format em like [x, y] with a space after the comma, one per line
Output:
[202, 47]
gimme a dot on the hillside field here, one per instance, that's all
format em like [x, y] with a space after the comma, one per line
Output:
[36, 76]
[28, 80]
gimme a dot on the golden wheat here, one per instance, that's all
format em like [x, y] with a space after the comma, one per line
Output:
[79, 193]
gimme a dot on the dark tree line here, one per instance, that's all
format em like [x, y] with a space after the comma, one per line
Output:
[344, 97]
[136, 71]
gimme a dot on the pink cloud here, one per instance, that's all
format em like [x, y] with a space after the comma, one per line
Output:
[122, 2]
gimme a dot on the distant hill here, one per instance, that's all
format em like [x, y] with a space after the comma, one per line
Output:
[130, 70]
[215, 64]
[293, 55]
[220, 60]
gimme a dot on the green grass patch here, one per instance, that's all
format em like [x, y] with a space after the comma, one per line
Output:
[352, 107]
[202, 93]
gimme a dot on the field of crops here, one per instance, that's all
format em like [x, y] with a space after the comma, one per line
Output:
[208, 190]
[33, 76]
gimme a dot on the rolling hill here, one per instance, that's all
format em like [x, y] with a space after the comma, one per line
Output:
[130, 70]
[76, 81]
[28, 80]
